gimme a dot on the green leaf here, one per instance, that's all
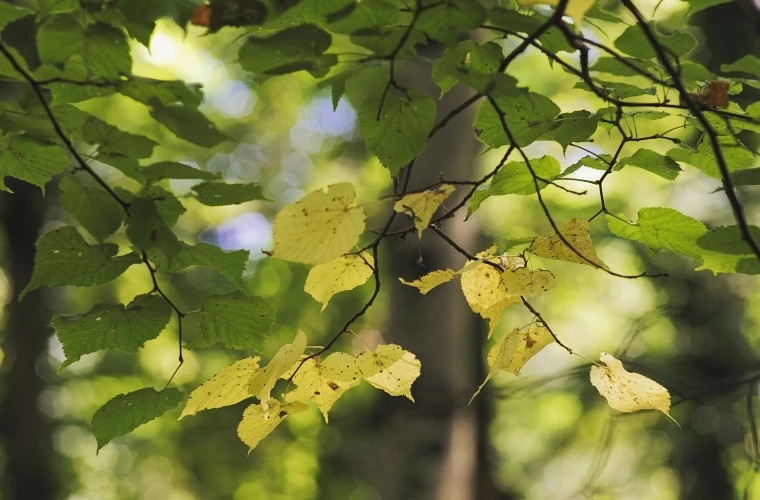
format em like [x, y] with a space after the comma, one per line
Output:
[748, 177]
[96, 210]
[515, 178]
[229, 264]
[697, 5]
[633, 42]
[140, 16]
[527, 115]
[576, 126]
[467, 62]
[447, 20]
[112, 141]
[26, 159]
[617, 66]
[102, 48]
[725, 251]
[290, 50]
[216, 194]
[126, 412]
[661, 229]
[737, 156]
[167, 92]
[396, 123]
[146, 228]
[552, 40]
[64, 258]
[236, 320]
[156, 172]
[9, 13]
[651, 161]
[747, 64]
[112, 327]
[187, 123]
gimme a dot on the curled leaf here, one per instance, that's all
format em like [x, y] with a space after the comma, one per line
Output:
[627, 391]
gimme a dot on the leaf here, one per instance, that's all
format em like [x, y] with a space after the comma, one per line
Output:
[737, 156]
[260, 420]
[627, 391]
[187, 123]
[30, 161]
[263, 381]
[238, 321]
[523, 281]
[431, 280]
[338, 275]
[422, 206]
[466, 62]
[662, 228]
[114, 142]
[485, 291]
[394, 123]
[445, 21]
[96, 210]
[288, 51]
[633, 42]
[227, 387]
[147, 229]
[112, 327]
[576, 9]
[64, 258]
[10, 13]
[173, 170]
[576, 233]
[126, 412]
[697, 5]
[576, 126]
[102, 48]
[723, 250]
[748, 63]
[515, 178]
[512, 352]
[216, 194]
[390, 368]
[321, 226]
[527, 115]
[664, 166]
[229, 264]
[324, 382]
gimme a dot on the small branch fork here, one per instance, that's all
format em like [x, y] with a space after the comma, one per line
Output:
[38, 89]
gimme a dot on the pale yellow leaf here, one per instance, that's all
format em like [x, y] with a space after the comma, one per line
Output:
[512, 352]
[321, 226]
[225, 388]
[324, 382]
[577, 234]
[390, 368]
[338, 275]
[523, 281]
[263, 381]
[576, 9]
[259, 420]
[627, 391]
[485, 291]
[421, 206]
[431, 280]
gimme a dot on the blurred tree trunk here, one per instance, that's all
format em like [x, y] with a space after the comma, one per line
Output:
[436, 448]
[25, 432]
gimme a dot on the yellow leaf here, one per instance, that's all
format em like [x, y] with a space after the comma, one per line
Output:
[626, 391]
[576, 9]
[338, 275]
[263, 381]
[321, 226]
[523, 281]
[225, 388]
[324, 382]
[421, 206]
[577, 234]
[485, 291]
[431, 280]
[512, 352]
[260, 420]
[390, 368]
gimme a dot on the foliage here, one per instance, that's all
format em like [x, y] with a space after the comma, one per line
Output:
[632, 82]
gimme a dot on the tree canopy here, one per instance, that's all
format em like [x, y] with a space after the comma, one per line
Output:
[637, 99]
